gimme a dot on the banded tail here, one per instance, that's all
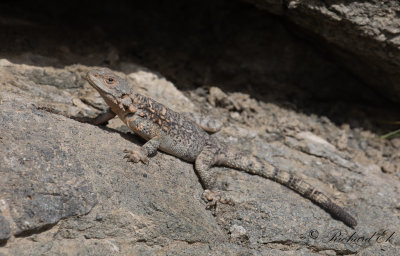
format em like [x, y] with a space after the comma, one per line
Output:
[257, 166]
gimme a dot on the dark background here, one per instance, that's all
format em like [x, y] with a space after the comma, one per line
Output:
[228, 44]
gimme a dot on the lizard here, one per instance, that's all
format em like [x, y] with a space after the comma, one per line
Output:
[178, 135]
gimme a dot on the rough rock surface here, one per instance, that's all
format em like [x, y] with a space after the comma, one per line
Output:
[66, 189]
[365, 35]
[42, 180]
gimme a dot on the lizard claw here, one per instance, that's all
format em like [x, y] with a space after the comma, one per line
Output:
[136, 156]
[213, 197]
[145, 160]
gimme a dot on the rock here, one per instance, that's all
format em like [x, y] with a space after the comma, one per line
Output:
[54, 168]
[66, 189]
[5, 231]
[42, 180]
[366, 35]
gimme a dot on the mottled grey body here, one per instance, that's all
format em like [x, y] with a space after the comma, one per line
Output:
[182, 137]
[176, 133]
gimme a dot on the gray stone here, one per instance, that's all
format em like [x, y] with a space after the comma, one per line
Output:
[42, 180]
[5, 231]
[365, 35]
[66, 189]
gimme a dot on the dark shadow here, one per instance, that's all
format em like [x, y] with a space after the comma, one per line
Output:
[3, 242]
[38, 230]
[228, 44]
[134, 138]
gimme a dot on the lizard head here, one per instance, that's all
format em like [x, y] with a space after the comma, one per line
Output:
[110, 86]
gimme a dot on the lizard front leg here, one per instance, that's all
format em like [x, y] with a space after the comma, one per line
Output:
[141, 154]
[103, 117]
[98, 120]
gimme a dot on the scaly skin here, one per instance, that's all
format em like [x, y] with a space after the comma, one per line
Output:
[179, 135]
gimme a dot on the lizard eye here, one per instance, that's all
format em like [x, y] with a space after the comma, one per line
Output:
[110, 80]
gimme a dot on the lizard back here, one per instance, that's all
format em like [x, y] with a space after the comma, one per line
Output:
[181, 137]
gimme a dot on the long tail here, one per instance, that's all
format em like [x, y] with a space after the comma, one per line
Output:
[257, 166]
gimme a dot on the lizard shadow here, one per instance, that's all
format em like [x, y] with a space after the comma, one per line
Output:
[131, 137]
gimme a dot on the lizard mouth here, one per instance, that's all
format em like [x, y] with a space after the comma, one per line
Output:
[91, 78]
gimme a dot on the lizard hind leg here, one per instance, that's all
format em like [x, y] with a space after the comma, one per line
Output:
[203, 162]
[206, 123]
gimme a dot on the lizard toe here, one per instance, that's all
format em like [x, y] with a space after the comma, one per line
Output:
[136, 156]
[214, 197]
[145, 160]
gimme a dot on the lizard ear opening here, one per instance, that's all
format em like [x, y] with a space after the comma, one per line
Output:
[110, 81]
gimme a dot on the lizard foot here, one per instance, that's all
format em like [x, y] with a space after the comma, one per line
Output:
[136, 156]
[213, 197]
